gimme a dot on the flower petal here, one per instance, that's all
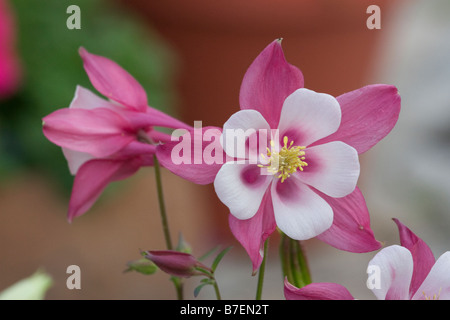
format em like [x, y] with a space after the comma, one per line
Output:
[99, 132]
[437, 283]
[267, 83]
[196, 155]
[86, 99]
[422, 255]
[350, 230]
[308, 116]
[93, 177]
[75, 159]
[333, 168]
[394, 266]
[368, 115]
[299, 212]
[317, 291]
[241, 188]
[113, 81]
[253, 232]
[241, 135]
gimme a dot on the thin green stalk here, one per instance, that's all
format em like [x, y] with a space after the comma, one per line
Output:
[165, 224]
[261, 272]
[162, 207]
[216, 290]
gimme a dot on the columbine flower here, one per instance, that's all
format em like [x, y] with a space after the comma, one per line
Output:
[175, 263]
[269, 98]
[410, 271]
[404, 272]
[105, 140]
[9, 64]
[294, 166]
[321, 192]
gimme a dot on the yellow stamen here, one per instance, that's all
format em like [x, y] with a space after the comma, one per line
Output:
[286, 161]
[434, 297]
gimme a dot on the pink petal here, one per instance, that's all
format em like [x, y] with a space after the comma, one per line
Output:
[437, 283]
[333, 168]
[86, 99]
[196, 157]
[422, 255]
[93, 177]
[299, 212]
[317, 291]
[113, 81]
[239, 129]
[99, 132]
[267, 83]
[253, 232]
[394, 266]
[241, 188]
[308, 116]
[75, 159]
[368, 115]
[350, 230]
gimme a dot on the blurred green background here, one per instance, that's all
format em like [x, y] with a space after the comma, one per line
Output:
[52, 68]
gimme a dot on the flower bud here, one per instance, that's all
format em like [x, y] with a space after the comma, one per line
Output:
[176, 263]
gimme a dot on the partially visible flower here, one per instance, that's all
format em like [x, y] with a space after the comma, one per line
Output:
[317, 291]
[406, 272]
[410, 271]
[175, 263]
[10, 73]
[106, 140]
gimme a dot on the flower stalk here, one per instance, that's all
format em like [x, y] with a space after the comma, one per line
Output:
[294, 263]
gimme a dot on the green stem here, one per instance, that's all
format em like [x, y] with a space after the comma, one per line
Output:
[165, 223]
[216, 289]
[162, 207]
[261, 272]
[294, 262]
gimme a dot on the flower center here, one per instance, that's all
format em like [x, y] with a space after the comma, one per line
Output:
[433, 297]
[285, 161]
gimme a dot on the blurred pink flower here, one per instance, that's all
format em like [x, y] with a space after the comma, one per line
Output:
[10, 73]
[405, 272]
[105, 140]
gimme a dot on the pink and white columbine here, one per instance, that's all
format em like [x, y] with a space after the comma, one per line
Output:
[318, 195]
[405, 272]
[106, 140]
[294, 166]
[323, 136]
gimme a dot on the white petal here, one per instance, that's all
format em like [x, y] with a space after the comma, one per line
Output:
[333, 168]
[239, 128]
[390, 273]
[308, 116]
[300, 212]
[75, 159]
[241, 188]
[437, 284]
[86, 99]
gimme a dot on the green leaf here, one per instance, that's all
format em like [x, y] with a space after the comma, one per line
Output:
[218, 258]
[142, 265]
[204, 282]
[31, 288]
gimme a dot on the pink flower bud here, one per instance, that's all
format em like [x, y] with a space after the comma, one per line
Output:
[176, 263]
